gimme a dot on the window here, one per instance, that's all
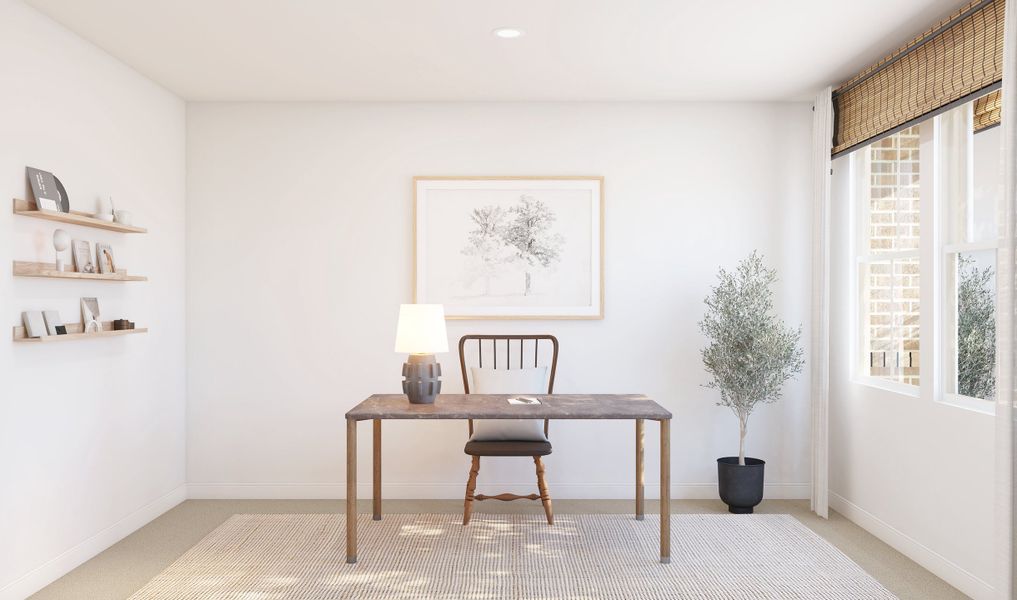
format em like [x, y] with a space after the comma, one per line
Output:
[942, 178]
[971, 185]
[888, 257]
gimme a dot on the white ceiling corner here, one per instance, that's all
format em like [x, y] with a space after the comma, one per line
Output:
[443, 50]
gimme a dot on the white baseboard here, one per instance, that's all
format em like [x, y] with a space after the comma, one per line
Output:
[57, 567]
[928, 558]
[432, 491]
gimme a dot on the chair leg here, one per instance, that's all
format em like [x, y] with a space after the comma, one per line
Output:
[545, 496]
[471, 486]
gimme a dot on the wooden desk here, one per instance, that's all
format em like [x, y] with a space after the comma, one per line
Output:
[495, 406]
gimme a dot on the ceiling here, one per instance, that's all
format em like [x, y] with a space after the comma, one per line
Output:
[398, 50]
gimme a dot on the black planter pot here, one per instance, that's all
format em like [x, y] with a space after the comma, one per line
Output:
[741, 487]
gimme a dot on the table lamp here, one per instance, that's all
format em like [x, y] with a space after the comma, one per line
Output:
[61, 242]
[421, 334]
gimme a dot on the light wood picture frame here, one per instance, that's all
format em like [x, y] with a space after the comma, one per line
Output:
[510, 247]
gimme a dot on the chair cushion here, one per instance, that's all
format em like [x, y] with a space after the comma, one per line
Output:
[515, 448]
[531, 380]
[509, 381]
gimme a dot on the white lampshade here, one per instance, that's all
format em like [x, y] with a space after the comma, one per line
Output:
[61, 241]
[421, 329]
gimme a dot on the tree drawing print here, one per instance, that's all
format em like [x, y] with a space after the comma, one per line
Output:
[520, 236]
[530, 234]
[485, 245]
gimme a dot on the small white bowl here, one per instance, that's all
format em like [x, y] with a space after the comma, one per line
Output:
[125, 217]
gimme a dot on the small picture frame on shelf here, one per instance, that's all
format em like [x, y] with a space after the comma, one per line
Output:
[53, 322]
[90, 315]
[82, 254]
[104, 258]
[35, 324]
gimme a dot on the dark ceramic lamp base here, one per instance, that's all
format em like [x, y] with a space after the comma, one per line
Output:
[741, 486]
[421, 378]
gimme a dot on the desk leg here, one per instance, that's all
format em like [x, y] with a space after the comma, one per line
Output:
[665, 491]
[640, 423]
[377, 469]
[351, 491]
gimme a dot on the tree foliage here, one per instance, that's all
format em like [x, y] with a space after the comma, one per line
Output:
[531, 237]
[485, 243]
[751, 353]
[976, 330]
[530, 232]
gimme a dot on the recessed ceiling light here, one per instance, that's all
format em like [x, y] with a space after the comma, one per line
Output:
[508, 33]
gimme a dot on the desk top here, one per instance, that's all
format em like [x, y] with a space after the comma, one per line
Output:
[496, 406]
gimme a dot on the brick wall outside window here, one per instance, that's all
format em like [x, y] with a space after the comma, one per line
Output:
[893, 285]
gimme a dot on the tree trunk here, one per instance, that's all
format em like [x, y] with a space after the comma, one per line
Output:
[741, 439]
[527, 293]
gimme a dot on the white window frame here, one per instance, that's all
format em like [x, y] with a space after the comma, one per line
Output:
[859, 186]
[932, 256]
[941, 256]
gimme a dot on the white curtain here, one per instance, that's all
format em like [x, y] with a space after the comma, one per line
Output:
[1006, 431]
[822, 145]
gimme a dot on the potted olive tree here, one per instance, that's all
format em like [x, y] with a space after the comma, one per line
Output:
[750, 355]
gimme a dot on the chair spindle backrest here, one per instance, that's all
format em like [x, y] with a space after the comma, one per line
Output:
[506, 356]
[507, 353]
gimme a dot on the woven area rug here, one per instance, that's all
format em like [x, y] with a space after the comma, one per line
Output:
[433, 557]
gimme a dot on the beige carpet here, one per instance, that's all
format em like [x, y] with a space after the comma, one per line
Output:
[267, 557]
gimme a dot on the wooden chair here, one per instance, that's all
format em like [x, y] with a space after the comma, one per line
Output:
[508, 448]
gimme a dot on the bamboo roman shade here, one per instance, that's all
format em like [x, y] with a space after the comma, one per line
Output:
[988, 109]
[954, 61]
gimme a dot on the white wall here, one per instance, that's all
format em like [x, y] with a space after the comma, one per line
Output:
[91, 432]
[915, 472]
[299, 252]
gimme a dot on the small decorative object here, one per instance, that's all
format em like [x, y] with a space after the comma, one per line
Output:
[53, 322]
[104, 209]
[47, 190]
[82, 253]
[751, 354]
[104, 258]
[510, 247]
[523, 400]
[61, 330]
[35, 324]
[61, 242]
[90, 315]
[125, 217]
[122, 325]
[421, 333]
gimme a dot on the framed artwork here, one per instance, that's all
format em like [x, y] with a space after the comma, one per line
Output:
[104, 258]
[90, 315]
[81, 251]
[510, 247]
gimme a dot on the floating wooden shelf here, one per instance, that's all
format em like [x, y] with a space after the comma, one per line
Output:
[27, 209]
[75, 332]
[36, 269]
